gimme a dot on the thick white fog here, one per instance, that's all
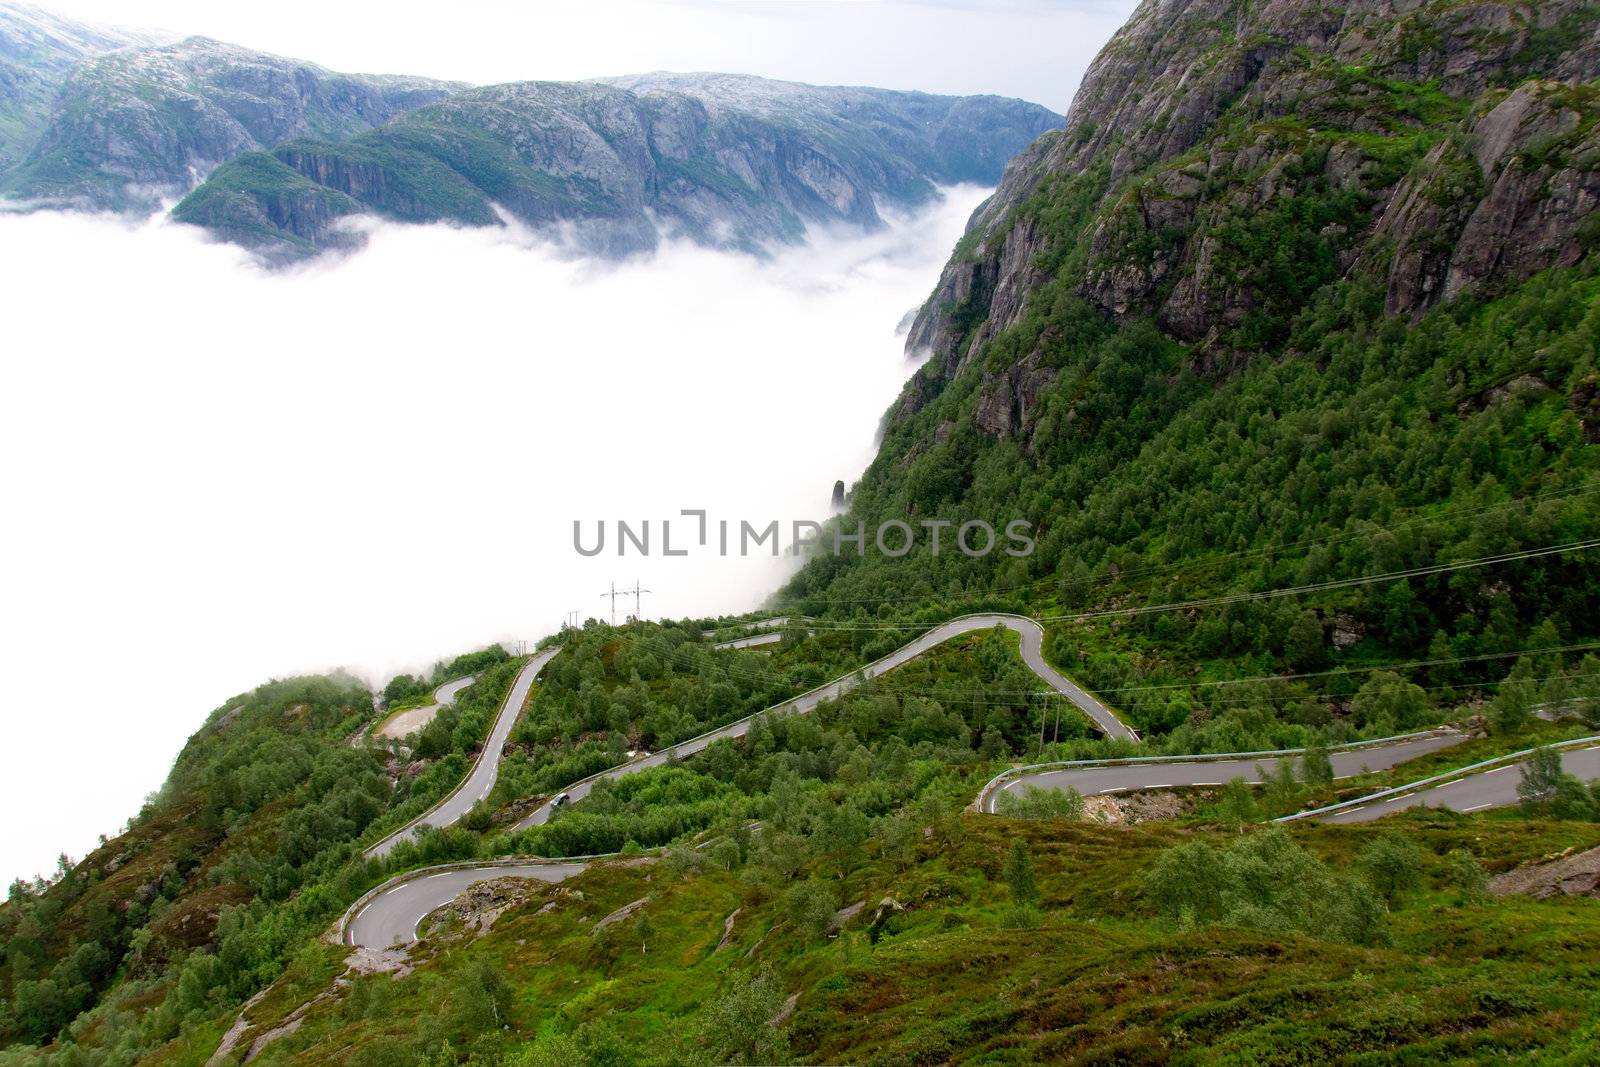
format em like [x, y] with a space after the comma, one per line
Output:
[215, 474]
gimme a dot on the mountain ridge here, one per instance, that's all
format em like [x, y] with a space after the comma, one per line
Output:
[614, 168]
[134, 127]
[37, 50]
[271, 152]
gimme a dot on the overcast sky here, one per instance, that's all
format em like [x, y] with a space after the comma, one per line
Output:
[1033, 49]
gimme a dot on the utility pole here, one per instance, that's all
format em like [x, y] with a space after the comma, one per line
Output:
[1044, 717]
[569, 621]
[638, 599]
[613, 595]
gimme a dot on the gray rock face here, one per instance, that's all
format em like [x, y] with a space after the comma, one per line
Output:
[37, 52]
[1435, 146]
[133, 127]
[612, 166]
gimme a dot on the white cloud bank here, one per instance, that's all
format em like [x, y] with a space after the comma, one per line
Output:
[214, 475]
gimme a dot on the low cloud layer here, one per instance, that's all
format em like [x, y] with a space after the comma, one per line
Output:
[215, 475]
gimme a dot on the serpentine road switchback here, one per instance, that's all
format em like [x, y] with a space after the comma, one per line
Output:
[484, 771]
[405, 723]
[391, 914]
[1032, 635]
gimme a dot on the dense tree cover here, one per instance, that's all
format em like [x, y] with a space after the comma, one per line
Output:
[257, 828]
[647, 686]
[283, 800]
[1335, 444]
[831, 778]
[797, 806]
[265, 752]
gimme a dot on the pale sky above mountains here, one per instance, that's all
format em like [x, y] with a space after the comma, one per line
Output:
[1034, 50]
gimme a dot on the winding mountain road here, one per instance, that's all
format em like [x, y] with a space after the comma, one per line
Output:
[402, 724]
[391, 914]
[1031, 633]
[484, 771]
[395, 909]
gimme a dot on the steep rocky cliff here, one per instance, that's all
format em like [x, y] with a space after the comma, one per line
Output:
[724, 160]
[1226, 159]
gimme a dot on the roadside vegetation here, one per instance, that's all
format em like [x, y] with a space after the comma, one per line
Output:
[997, 940]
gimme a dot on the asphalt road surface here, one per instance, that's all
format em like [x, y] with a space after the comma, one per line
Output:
[392, 917]
[484, 771]
[405, 723]
[1129, 777]
[1032, 635]
[1495, 787]
[750, 642]
[777, 622]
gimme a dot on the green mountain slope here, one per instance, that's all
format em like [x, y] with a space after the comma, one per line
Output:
[1300, 295]
[1303, 300]
[866, 919]
[272, 152]
[244, 854]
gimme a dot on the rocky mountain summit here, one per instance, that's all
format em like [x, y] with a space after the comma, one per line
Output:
[725, 161]
[1225, 159]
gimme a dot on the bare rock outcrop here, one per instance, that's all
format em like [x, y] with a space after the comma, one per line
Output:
[1576, 875]
[1437, 148]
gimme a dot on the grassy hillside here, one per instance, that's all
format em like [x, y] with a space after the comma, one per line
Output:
[1090, 972]
[858, 802]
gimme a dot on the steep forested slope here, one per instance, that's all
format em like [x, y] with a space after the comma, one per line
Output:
[1301, 293]
[1304, 297]
[37, 52]
[246, 852]
[272, 151]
